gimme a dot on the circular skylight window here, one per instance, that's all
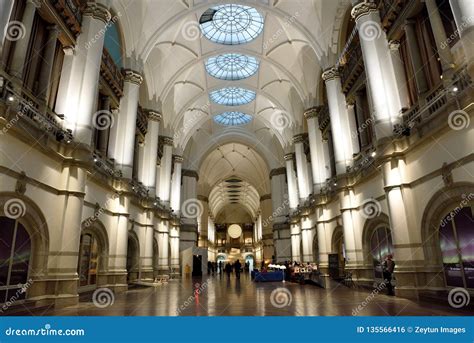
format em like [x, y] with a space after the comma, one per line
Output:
[231, 24]
[232, 67]
[232, 96]
[233, 119]
[234, 231]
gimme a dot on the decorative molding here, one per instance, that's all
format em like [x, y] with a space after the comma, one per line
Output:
[178, 159]
[167, 141]
[132, 77]
[299, 138]
[331, 74]
[288, 157]
[278, 171]
[394, 45]
[313, 112]
[97, 11]
[363, 8]
[447, 174]
[190, 173]
[154, 115]
[21, 182]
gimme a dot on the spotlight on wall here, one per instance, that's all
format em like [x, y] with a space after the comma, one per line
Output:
[373, 154]
[455, 89]
[10, 98]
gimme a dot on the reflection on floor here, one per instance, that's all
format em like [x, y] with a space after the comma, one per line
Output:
[216, 296]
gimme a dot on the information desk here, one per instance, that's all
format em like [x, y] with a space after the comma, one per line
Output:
[268, 276]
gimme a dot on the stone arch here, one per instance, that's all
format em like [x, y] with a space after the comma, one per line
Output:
[370, 226]
[133, 262]
[34, 222]
[442, 203]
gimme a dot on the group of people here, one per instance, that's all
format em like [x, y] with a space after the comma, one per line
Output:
[228, 268]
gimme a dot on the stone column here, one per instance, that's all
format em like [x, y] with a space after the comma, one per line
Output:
[47, 63]
[397, 63]
[353, 126]
[415, 57]
[162, 227]
[145, 237]
[122, 141]
[463, 11]
[291, 180]
[165, 169]
[444, 50]
[6, 30]
[340, 124]
[174, 245]
[316, 147]
[307, 235]
[410, 271]
[191, 210]
[280, 207]
[295, 231]
[147, 169]
[301, 168]
[104, 132]
[79, 84]
[266, 226]
[18, 62]
[379, 69]
[175, 200]
[324, 241]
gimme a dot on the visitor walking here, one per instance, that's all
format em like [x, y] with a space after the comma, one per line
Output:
[388, 267]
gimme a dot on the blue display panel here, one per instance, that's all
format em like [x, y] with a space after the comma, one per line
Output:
[231, 24]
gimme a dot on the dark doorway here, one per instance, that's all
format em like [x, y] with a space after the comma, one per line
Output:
[197, 265]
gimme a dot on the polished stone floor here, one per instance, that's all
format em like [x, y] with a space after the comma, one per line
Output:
[215, 296]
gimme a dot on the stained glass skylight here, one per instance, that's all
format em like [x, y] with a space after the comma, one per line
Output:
[231, 24]
[232, 67]
[232, 96]
[233, 119]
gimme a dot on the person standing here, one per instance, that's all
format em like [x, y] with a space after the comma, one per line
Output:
[237, 267]
[388, 266]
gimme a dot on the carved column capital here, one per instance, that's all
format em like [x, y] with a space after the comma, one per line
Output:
[330, 74]
[299, 138]
[133, 77]
[288, 157]
[154, 115]
[97, 11]
[313, 112]
[278, 171]
[394, 44]
[167, 141]
[363, 8]
[178, 159]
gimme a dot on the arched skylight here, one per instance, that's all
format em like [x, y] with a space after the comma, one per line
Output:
[232, 67]
[231, 24]
[232, 96]
[233, 118]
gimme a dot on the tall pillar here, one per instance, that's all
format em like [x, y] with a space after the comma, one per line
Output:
[307, 236]
[18, 62]
[147, 169]
[324, 241]
[353, 126]
[165, 169]
[145, 238]
[47, 64]
[266, 206]
[174, 245]
[280, 208]
[291, 180]
[463, 11]
[175, 200]
[444, 50]
[340, 123]
[400, 77]
[301, 168]
[79, 82]
[362, 130]
[192, 210]
[295, 231]
[122, 140]
[415, 56]
[379, 69]
[410, 272]
[162, 227]
[6, 8]
[319, 164]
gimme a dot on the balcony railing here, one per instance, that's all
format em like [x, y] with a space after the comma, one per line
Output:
[353, 67]
[32, 111]
[71, 14]
[111, 74]
[390, 11]
[323, 119]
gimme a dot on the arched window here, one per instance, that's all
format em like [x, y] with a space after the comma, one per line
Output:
[456, 239]
[133, 264]
[380, 247]
[15, 253]
[88, 260]
[113, 43]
